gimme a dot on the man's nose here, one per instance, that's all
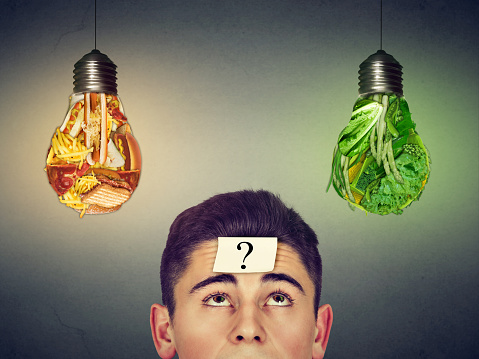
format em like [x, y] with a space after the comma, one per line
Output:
[248, 326]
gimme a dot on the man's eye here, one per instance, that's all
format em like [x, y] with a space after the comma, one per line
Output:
[279, 299]
[217, 300]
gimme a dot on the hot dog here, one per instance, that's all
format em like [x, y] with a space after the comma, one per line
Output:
[96, 127]
[103, 130]
[129, 150]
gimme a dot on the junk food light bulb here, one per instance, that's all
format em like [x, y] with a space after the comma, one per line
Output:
[380, 163]
[94, 162]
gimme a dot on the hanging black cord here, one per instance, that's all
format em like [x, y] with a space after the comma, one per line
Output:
[381, 30]
[95, 24]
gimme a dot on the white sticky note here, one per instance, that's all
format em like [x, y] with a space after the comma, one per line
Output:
[245, 254]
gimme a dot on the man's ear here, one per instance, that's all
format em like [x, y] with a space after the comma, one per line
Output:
[160, 330]
[323, 328]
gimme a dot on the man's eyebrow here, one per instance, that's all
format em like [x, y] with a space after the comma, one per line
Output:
[221, 278]
[281, 277]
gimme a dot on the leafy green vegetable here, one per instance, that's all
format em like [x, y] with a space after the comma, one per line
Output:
[404, 107]
[404, 126]
[407, 123]
[391, 196]
[392, 98]
[399, 142]
[366, 175]
[353, 139]
[362, 102]
[364, 180]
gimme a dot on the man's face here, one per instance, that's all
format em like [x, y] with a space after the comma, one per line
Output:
[251, 315]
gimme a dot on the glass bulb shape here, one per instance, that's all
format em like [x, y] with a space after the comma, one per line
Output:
[380, 163]
[94, 162]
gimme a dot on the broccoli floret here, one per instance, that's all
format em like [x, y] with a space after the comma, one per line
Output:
[413, 149]
[365, 179]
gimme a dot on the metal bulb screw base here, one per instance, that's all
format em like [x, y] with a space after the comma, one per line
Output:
[95, 72]
[380, 73]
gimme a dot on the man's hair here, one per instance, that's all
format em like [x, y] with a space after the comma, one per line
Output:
[236, 214]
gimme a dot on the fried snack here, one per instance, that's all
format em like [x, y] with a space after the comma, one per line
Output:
[94, 162]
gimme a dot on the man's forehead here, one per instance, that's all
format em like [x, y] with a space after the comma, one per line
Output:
[288, 268]
[203, 257]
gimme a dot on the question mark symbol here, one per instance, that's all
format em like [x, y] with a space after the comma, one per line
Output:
[250, 249]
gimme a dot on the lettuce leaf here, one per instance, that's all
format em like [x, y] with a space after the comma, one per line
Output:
[407, 123]
[391, 196]
[353, 139]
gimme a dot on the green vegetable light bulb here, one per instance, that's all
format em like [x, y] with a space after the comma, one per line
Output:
[380, 164]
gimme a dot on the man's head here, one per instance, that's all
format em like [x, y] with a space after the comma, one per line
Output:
[257, 315]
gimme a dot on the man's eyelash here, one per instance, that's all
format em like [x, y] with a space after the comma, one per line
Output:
[208, 297]
[222, 294]
[281, 292]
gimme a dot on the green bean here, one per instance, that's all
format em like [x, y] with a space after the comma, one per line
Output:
[392, 129]
[392, 163]
[372, 139]
[392, 111]
[337, 187]
[335, 151]
[370, 188]
[385, 160]
[339, 169]
[391, 116]
[346, 178]
[337, 174]
[387, 136]
[355, 159]
[381, 129]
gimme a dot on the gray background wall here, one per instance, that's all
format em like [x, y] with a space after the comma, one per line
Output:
[222, 96]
